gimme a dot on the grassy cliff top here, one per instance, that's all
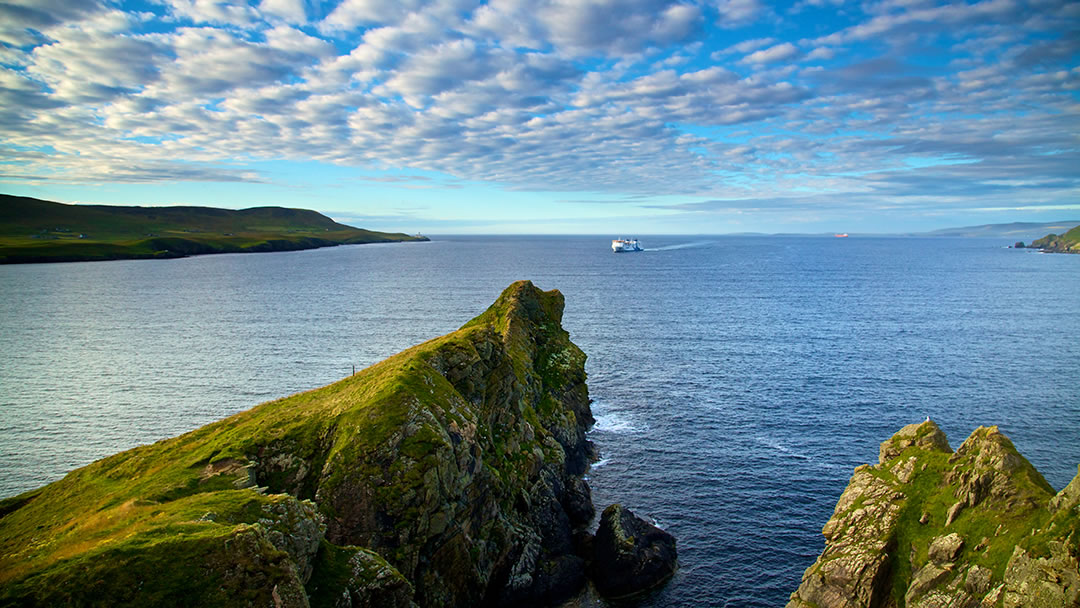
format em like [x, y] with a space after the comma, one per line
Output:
[33, 230]
[192, 493]
[1059, 243]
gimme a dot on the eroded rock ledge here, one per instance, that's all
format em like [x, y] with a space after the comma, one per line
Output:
[930, 527]
[450, 474]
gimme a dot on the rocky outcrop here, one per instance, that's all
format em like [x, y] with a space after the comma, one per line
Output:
[448, 475]
[1058, 243]
[928, 527]
[630, 555]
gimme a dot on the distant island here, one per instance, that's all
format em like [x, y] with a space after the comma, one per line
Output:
[1056, 243]
[34, 230]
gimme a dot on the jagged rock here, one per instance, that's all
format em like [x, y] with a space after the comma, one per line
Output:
[630, 555]
[927, 578]
[352, 577]
[295, 527]
[945, 549]
[925, 435]
[1069, 497]
[1044, 582]
[977, 580]
[913, 515]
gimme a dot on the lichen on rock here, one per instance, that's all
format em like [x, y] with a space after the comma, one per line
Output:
[928, 527]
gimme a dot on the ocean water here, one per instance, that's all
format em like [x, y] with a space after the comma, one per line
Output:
[736, 381]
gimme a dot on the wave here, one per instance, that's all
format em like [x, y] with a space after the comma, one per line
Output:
[616, 423]
[783, 449]
[680, 246]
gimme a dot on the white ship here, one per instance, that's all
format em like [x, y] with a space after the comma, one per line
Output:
[621, 245]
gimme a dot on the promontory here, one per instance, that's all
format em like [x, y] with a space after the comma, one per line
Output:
[929, 527]
[33, 230]
[450, 474]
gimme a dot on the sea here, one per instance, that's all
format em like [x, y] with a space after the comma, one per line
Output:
[736, 381]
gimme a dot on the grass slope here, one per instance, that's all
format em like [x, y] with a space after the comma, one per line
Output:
[1063, 243]
[172, 520]
[33, 230]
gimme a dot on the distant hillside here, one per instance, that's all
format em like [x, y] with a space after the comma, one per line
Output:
[1059, 243]
[33, 230]
[1016, 231]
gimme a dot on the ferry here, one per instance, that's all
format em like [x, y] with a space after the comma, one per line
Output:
[621, 245]
[842, 235]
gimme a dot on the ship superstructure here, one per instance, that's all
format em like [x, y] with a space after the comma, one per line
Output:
[622, 245]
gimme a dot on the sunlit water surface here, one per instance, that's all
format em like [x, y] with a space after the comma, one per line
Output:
[736, 380]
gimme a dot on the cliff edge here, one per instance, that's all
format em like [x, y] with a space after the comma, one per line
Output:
[930, 527]
[450, 474]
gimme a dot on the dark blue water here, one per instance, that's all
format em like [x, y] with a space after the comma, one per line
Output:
[737, 380]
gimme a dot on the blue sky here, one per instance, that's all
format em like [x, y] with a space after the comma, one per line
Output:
[552, 116]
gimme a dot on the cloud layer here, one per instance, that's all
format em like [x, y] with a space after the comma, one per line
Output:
[722, 104]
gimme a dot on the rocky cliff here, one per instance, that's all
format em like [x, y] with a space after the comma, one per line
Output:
[930, 527]
[448, 475]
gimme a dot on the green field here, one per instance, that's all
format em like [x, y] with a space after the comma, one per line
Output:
[33, 230]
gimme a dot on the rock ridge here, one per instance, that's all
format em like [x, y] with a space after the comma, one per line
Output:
[928, 527]
[451, 474]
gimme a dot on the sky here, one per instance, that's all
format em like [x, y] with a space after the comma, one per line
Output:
[552, 116]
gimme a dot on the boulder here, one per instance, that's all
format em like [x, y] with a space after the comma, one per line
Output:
[630, 555]
[945, 549]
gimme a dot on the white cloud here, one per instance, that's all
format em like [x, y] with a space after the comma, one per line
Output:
[554, 94]
[735, 13]
[291, 11]
[587, 26]
[223, 12]
[821, 52]
[773, 54]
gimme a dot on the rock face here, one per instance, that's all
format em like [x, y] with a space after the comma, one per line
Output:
[448, 475]
[928, 527]
[630, 555]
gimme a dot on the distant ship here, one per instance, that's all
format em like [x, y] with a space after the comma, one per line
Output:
[842, 235]
[621, 245]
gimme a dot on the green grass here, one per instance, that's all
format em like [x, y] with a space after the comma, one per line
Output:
[1063, 243]
[385, 428]
[33, 230]
[1005, 523]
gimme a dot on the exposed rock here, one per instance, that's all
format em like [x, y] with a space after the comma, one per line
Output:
[448, 475]
[352, 577]
[925, 436]
[927, 578]
[630, 555]
[945, 549]
[295, 527]
[977, 580]
[1052, 581]
[1069, 497]
[904, 515]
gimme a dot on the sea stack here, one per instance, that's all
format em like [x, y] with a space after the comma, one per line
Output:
[451, 474]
